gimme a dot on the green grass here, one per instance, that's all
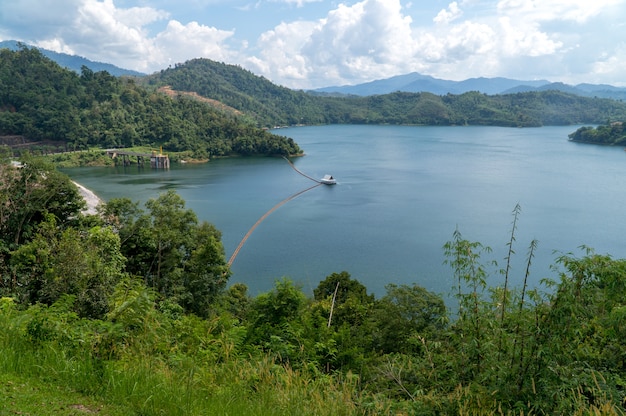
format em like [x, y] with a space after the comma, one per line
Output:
[66, 386]
[93, 157]
[98, 157]
[49, 379]
[31, 396]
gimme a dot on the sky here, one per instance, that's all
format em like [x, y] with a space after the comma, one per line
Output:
[305, 44]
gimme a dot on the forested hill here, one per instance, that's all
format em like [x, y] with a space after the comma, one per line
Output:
[608, 134]
[41, 101]
[272, 105]
[267, 103]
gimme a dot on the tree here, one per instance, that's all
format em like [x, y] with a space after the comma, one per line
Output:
[275, 320]
[349, 297]
[86, 265]
[29, 193]
[181, 259]
[405, 314]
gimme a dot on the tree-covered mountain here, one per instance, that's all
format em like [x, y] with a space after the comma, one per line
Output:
[219, 109]
[415, 82]
[272, 105]
[267, 103]
[583, 90]
[41, 101]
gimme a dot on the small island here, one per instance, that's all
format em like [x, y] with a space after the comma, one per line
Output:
[612, 134]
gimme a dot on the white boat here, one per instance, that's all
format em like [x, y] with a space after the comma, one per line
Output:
[328, 180]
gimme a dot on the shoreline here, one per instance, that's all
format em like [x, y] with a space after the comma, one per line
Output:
[91, 199]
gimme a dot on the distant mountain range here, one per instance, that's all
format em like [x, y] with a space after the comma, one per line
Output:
[415, 82]
[73, 62]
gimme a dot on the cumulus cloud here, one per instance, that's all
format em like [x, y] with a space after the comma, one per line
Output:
[101, 26]
[375, 39]
[281, 56]
[452, 13]
[351, 42]
[100, 30]
[178, 43]
[354, 41]
[457, 43]
[518, 38]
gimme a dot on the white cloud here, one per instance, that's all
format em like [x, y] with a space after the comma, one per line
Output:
[520, 38]
[447, 16]
[56, 45]
[299, 3]
[610, 65]
[114, 35]
[102, 31]
[280, 52]
[355, 41]
[351, 42]
[373, 39]
[178, 43]
[457, 43]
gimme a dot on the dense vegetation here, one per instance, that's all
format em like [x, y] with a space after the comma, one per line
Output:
[42, 102]
[272, 105]
[608, 134]
[131, 307]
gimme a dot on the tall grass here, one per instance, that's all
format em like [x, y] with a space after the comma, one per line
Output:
[173, 385]
[157, 365]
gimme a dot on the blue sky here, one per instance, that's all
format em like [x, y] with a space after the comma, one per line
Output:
[316, 43]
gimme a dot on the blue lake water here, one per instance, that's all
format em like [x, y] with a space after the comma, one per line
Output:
[401, 193]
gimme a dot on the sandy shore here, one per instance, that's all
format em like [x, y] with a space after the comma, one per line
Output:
[90, 198]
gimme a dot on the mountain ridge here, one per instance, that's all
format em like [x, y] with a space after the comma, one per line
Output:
[416, 82]
[258, 102]
[271, 105]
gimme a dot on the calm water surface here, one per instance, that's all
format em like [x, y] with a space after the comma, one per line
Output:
[401, 193]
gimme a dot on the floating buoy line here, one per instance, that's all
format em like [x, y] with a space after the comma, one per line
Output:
[274, 208]
[303, 174]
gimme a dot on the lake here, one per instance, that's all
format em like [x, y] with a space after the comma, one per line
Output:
[401, 193]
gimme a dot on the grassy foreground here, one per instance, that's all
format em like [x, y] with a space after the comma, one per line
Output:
[31, 396]
[52, 363]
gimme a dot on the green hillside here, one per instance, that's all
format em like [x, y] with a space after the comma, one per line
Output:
[215, 109]
[271, 105]
[43, 102]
